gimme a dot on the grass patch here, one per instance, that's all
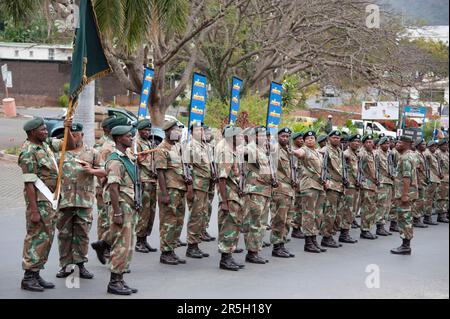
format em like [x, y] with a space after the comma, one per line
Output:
[15, 150]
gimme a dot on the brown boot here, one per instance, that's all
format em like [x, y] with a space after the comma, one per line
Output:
[227, 263]
[418, 223]
[140, 246]
[345, 237]
[42, 282]
[297, 233]
[404, 249]
[314, 240]
[309, 245]
[100, 248]
[329, 242]
[30, 282]
[368, 235]
[167, 258]
[394, 226]
[381, 231]
[277, 251]
[193, 252]
[116, 286]
[255, 258]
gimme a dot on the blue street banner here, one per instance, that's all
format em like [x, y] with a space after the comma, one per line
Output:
[274, 109]
[414, 112]
[235, 101]
[198, 99]
[145, 93]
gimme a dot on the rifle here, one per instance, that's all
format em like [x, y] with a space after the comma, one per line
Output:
[242, 175]
[324, 174]
[137, 182]
[391, 165]
[273, 174]
[377, 167]
[345, 180]
[153, 168]
[440, 163]
[209, 151]
[292, 161]
[360, 178]
[426, 168]
[186, 169]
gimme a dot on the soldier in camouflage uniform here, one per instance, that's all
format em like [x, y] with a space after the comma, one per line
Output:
[201, 181]
[313, 193]
[175, 185]
[40, 170]
[351, 191]
[258, 192]
[422, 182]
[283, 195]
[295, 214]
[442, 192]
[212, 188]
[229, 159]
[75, 206]
[148, 178]
[392, 213]
[369, 183]
[405, 193]
[334, 188]
[435, 181]
[386, 187]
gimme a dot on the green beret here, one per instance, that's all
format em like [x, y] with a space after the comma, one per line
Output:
[143, 124]
[367, 138]
[344, 138]
[33, 124]
[383, 140]
[284, 130]
[121, 130]
[431, 143]
[297, 135]
[232, 131]
[310, 133]
[117, 121]
[335, 133]
[442, 142]
[167, 125]
[375, 141]
[406, 138]
[107, 121]
[77, 127]
[321, 138]
[354, 137]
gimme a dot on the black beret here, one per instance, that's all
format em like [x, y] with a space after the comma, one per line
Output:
[297, 135]
[321, 138]
[344, 138]
[354, 137]
[77, 127]
[383, 140]
[419, 141]
[367, 138]
[118, 121]
[121, 130]
[143, 124]
[375, 141]
[406, 138]
[33, 124]
[107, 121]
[284, 130]
[309, 133]
[335, 133]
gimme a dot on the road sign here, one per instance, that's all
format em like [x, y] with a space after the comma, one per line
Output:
[414, 133]
[9, 79]
[380, 110]
[4, 71]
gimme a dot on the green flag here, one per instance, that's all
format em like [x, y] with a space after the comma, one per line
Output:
[88, 59]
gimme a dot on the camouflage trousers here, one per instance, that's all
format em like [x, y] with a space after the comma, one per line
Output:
[404, 219]
[333, 198]
[280, 207]
[312, 201]
[430, 198]
[102, 217]
[393, 212]
[296, 212]
[147, 213]
[198, 209]
[211, 195]
[348, 208]
[74, 224]
[171, 219]
[230, 224]
[383, 203]
[255, 208]
[442, 198]
[39, 237]
[368, 211]
[418, 209]
[122, 238]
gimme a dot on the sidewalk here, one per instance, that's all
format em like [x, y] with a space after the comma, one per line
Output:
[11, 186]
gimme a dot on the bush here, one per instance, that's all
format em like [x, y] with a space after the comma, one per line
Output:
[63, 101]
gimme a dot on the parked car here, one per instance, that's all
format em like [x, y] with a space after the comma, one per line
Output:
[369, 127]
[329, 91]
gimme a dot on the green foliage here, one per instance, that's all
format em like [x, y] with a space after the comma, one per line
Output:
[35, 31]
[317, 126]
[63, 100]
[429, 128]
[15, 150]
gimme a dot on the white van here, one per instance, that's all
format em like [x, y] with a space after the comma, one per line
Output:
[369, 127]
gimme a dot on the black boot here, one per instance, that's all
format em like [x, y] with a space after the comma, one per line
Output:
[345, 237]
[442, 218]
[355, 224]
[297, 233]
[63, 273]
[291, 255]
[100, 248]
[150, 248]
[116, 286]
[241, 266]
[226, 263]
[418, 223]
[254, 258]
[404, 249]
[314, 240]
[193, 252]
[133, 290]
[329, 242]
[238, 251]
[381, 231]
[84, 273]
[140, 246]
[265, 244]
[429, 221]
[181, 243]
[367, 235]
[180, 260]
[43, 283]
[277, 251]
[167, 258]
[309, 245]
[210, 238]
[30, 282]
[394, 227]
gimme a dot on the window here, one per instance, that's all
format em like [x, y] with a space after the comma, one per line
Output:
[16, 53]
[31, 54]
[51, 54]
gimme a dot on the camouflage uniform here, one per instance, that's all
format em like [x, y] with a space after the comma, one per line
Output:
[368, 191]
[120, 237]
[148, 178]
[38, 161]
[435, 181]
[312, 193]
[283, 198]
[442, 193]
[351, 192]
[75, 207]
[258, 191]
[392, 212]
[422, 182]
[230, 222]
[335, 191]
[406, 169]
[171, 216]
[201, 177]
[295, 214]
[385, 189]
[211, 194]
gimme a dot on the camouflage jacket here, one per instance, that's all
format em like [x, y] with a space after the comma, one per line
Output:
[334, 168]
[117, 174]
[200, 163]
[39, 161]
[299, 170]
[352, 165]
[102, 141]
[147, 168]
[107, 148]
[443, 162]
[434, 166]
[382, 157]
[77, 186]
[421, 172]
[168, 159]
[312, 169]
[228, 167]
[284, 173]
[258, 178]
[406, 169]
[368, 167]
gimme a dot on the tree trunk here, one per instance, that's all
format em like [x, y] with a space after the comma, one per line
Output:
[85, 113]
